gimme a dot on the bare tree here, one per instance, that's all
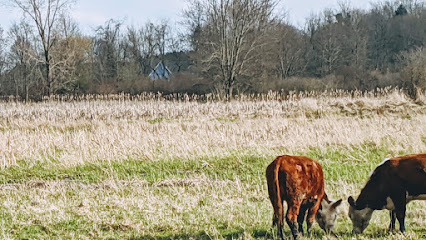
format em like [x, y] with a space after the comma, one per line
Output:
[2, 51]
[44, 14]
[328, 44]
[155, 38]
[66, 27]
[229, 36]
[291, 51]
[106, 50]
[149, 43]
[178, 59]
[20, 57]
[2, 59]
[70, 50]
[161, 32]
[413, 74]
[133, 50]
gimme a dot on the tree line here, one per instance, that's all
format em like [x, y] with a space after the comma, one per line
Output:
[226, 47]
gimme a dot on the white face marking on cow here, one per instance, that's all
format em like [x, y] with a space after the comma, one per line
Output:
[360, 218]
[327, 215]
[389, 204]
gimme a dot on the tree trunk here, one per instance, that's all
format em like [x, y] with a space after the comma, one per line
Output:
[26, 83]
[48, 80]
[230, 88]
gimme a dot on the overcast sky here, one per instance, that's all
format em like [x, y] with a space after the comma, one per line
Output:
[92, 13]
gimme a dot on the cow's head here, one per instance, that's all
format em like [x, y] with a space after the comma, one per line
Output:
[327, 214]
[360, 215]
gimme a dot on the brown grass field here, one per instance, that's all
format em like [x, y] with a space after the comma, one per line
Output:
[149, 167]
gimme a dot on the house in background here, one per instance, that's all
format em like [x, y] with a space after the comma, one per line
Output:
[160, 71]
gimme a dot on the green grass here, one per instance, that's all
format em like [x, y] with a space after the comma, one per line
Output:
[246, 168]
[208, 198]
[339, 163]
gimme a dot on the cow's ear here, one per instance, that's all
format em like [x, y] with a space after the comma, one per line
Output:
[336, 203]
[351, 201]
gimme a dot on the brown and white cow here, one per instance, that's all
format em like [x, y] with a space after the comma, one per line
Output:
[299, 181]
[393, 184]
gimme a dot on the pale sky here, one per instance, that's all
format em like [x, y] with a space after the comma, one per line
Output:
[92, 13]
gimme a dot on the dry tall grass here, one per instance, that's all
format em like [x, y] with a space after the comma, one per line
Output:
[90, 131]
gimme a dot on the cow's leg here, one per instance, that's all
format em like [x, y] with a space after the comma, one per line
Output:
[280, 231]
[278, 220]
[278, 217]
[400, 207]
[393, 219]
[311, 216]
[400, 215]
[291, 217]
[301, 217]
[279, 224]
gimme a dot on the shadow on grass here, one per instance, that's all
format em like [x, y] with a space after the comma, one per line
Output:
[378, 234]
[262, 233]
[229, 235]
[201, 236]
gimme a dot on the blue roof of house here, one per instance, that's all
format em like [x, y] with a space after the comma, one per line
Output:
[160, 72]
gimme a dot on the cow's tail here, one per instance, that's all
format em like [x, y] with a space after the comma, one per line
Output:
[272, 173]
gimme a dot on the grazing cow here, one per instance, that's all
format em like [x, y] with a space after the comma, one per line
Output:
[393, 184]
[299, 181]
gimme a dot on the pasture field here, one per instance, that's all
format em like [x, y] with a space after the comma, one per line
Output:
[131, 168]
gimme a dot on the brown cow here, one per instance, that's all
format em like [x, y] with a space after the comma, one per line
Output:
[393, 184]
[299, 181]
